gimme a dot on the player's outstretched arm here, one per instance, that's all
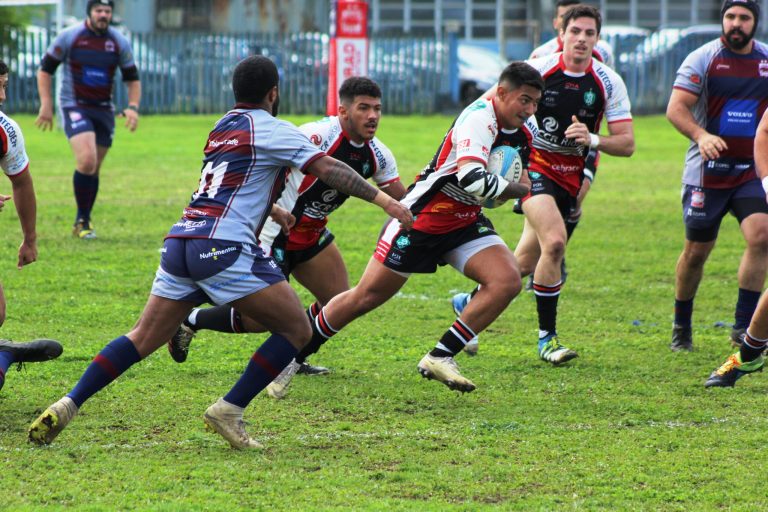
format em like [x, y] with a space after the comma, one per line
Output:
[680, 114]
[344, 179]
[26, 207]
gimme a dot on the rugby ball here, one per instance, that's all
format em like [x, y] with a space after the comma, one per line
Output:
[504, 161]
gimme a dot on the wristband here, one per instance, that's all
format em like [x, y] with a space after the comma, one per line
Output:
[765, 184]
[132, 107]
[594, 140]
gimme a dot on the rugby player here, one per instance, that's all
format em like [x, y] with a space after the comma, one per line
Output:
[90, 52]
[718, 98]
[15, 163]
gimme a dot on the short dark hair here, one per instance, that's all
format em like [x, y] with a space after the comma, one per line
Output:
[3, 68]
[253, 78]
[519, 73]
[582, 11]
[566, 3]
[358, 86]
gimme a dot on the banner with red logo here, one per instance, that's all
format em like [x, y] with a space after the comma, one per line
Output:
[348, 47]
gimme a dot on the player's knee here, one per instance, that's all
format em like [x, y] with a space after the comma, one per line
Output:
[87, 164]
[695, 257]
[554, 248]
[759, 242]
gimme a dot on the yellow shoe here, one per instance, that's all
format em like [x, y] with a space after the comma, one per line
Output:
[49, 424]
[83, 229]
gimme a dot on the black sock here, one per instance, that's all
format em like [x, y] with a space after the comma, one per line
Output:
[546, 306]
[453, 340]
[218, 318]
[751, 348]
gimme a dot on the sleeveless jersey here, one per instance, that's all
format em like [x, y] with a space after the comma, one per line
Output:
[598, 92]
[310, 200]
[90, 63]
[13, 155]
[732, 95]
[436, 199]
[602, 50]
[247, 155]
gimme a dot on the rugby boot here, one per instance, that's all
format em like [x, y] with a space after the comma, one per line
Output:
[308, 369]
[278, 388]
[227, 420]
[445, 370]
[682, 338]
[551, 351]
[53, 420]
[32, 352]
[178, 345]
[732, 370]
[459, 302]
[83, 229]
[737, 336]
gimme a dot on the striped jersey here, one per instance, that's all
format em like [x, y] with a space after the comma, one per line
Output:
[246, 158]
[310, 200]
[437, 201]
[602, 50]
[90, 61]
[732, 95]
[13, 155]
[596, 93]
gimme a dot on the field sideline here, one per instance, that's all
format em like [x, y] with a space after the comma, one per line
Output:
[626, 426]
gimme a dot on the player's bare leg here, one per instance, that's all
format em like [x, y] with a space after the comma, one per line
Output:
[546, 220]
[752, 272]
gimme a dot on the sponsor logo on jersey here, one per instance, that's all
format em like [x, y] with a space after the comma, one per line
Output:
[697, 199]
[227, 142]
[402, 242]
[691, 213]
[589, 98]
[9, 131]
[316, 139]
[723, 66]
[483, 229]
[463, 144]
[572, 86]
[366, 169]
[762, 68]
[278, 254]
[329, 195]
[215, 253]
[441, 207]
[550, 124]
[695, 79]
[109, 46]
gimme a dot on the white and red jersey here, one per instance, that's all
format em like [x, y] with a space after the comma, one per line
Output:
[436, 199]
[310, 200]
[602, 50]
[596, 93]
[13, 155]
[246, 158]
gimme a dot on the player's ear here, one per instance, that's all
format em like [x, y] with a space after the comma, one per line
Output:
[272, 94]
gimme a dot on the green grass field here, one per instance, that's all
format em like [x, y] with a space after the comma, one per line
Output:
[626, 426]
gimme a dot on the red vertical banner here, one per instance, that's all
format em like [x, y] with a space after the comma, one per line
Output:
[348, 54]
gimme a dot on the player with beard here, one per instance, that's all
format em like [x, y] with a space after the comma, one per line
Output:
[719, 96]
[90, 52]
[308, 251]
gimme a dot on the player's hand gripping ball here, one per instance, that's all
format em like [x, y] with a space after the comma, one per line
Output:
[504, 161]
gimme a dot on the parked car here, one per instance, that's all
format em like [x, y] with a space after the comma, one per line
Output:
[479, 69]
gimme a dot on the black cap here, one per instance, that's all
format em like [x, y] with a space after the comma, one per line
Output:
[747, 4]
[93, 3]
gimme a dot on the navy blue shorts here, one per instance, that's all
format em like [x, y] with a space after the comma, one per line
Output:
[207, 270]
[704, 208]
[101, 122]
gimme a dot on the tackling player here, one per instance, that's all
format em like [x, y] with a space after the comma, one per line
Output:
[90, 52]
[15, 164]
[718, 97]
[211, 254]
[308, 251]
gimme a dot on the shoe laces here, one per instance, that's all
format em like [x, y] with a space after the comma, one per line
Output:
[729, 364]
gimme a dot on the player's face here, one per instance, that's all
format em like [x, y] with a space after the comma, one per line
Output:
[579, 38]
[99, 17]
[738, 27]
[361, 117]
[3, 87]
[558, 19]
[515, 106]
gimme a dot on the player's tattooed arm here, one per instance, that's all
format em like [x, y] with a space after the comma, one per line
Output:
[344, 179]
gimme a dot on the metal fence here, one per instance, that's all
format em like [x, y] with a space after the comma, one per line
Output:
[191, 72]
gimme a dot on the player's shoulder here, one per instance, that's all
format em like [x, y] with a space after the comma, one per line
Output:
[481, 108]
[606, 74]
[119, 37]
[605, 50]
[381, 150]
[545, 49]
[760, 47]
[323, 132]
[546, 63]
[9, 127]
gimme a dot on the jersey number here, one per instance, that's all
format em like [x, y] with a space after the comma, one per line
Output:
[210, 179]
